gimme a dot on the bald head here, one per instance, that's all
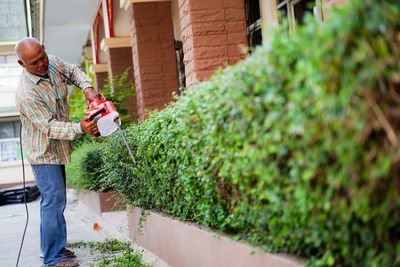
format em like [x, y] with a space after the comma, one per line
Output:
[32, 56]
[26, 44]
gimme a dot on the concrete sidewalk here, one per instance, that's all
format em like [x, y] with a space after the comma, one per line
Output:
[80, 220]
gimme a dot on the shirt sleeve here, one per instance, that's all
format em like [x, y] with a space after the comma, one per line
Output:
[73, 73]
[39, 114]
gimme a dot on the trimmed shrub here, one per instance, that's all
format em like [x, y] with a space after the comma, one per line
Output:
[296, 148]
[84, 171]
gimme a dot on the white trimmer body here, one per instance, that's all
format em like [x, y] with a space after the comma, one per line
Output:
[107, 125]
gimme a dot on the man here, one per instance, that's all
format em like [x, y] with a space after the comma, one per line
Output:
[46, 134]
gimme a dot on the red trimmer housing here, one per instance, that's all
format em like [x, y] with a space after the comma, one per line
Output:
[101, 108]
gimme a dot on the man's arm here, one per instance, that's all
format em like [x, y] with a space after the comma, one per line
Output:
[79, 79]
[37, 112]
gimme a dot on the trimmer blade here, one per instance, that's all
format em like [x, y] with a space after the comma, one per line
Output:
[126, 142]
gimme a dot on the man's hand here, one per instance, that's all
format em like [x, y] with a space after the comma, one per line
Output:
[90, 95]
[89, 127]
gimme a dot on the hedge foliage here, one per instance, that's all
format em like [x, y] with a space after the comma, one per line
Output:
[295, 148]
[85, 170]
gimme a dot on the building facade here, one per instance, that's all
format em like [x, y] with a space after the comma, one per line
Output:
[166, 46]
[169, 45]
[12, 28]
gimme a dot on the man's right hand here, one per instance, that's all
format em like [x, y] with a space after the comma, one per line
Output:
[90, 95]
[89, 127]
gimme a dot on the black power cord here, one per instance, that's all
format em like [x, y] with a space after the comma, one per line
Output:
[26, 205]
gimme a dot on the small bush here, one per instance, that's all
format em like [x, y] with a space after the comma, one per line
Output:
[120, 91]
[84, 171]
[296, 148]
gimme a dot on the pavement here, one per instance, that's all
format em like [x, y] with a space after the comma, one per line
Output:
[80, 220]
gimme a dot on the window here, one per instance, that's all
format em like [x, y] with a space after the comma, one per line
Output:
[253, 22]
[9, 141]
[12, 20]
[294, 11]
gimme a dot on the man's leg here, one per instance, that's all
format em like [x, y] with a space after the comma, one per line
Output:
[50, 180]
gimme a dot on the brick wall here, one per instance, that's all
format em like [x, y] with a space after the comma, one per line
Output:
[99, 78]
[119, 59]
[212, 31]
[153, 54]
[335, 2]
[330, 3]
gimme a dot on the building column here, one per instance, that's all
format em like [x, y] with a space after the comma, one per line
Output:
[119, 60]
[153, 53]
[100, 72]
[327, 4]
[212, 33]
[335, 2]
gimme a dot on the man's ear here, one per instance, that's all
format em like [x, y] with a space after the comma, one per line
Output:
[21, 63]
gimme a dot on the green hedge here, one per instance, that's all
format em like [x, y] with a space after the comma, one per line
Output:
[295, 148]
[85, 170]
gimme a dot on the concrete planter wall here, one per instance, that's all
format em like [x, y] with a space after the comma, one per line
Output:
[186, 245]
[101, 202]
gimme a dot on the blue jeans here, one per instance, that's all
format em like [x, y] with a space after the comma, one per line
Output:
[50, 179]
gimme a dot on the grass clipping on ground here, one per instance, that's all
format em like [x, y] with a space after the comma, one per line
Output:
[110, 252]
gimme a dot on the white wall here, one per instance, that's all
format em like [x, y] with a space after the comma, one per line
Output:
[121, 21]
[175, 20]
[102, 55]
[12, 173]
[7, 99]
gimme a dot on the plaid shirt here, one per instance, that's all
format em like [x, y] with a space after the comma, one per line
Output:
[46, 132]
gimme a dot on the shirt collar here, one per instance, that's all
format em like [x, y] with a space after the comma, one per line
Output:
[33, 77]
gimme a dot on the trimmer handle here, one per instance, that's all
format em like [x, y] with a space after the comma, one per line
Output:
[96, 108]
[94, 114]
[97, 102]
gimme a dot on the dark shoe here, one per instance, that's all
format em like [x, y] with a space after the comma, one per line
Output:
[66, 252]
[64, 262]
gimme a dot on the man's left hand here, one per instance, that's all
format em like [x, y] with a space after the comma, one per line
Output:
[90, 95]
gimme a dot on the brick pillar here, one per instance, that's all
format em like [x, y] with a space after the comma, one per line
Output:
[100, 73]
[153, 53]
[99, 78]
[334, 2]
[212, 31]
[326, 4]
[119, 60]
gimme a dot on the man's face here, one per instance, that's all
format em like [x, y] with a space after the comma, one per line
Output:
[35, 60]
